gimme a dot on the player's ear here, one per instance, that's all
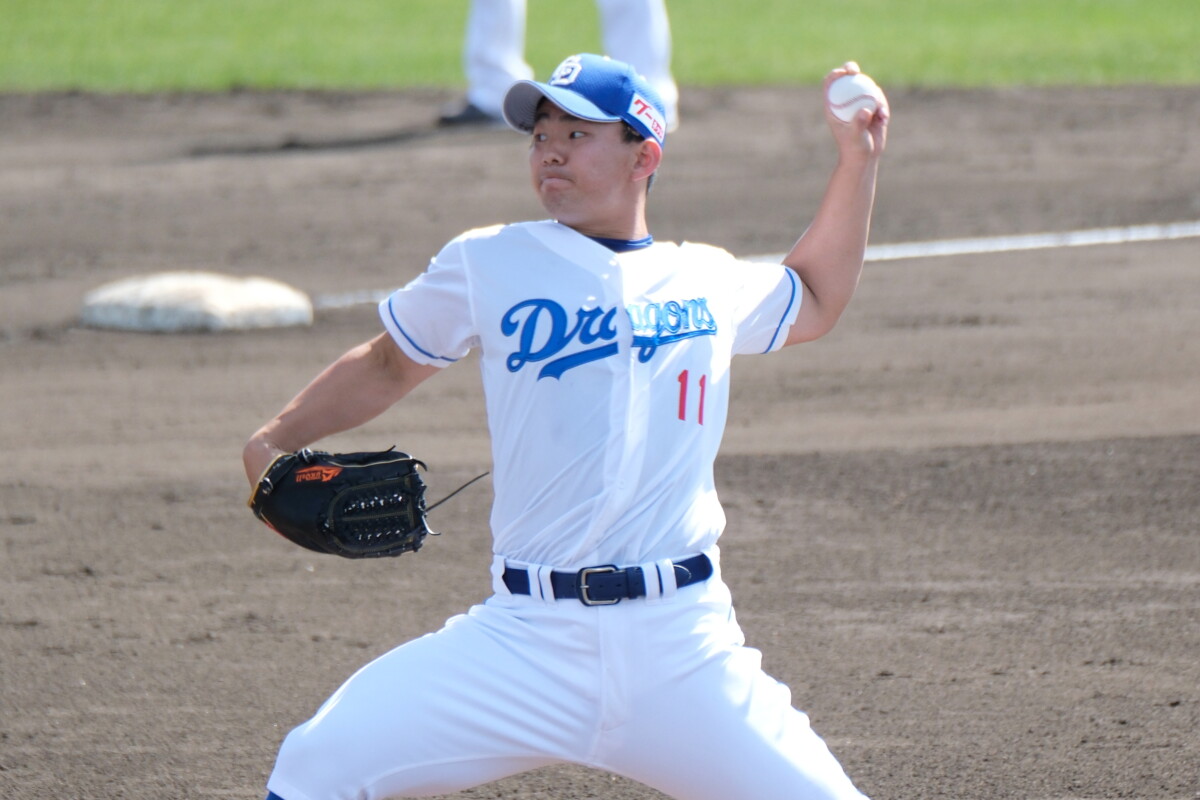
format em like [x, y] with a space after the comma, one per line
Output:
[649, 157]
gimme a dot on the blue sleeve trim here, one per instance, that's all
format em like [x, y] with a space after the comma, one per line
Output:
[791, 302]
[409, 339]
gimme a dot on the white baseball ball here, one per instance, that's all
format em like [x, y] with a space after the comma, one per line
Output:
[851, 93]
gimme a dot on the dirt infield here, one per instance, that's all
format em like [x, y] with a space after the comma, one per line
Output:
[963, 527]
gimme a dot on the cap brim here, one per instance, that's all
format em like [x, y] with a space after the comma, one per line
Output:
[521, 102]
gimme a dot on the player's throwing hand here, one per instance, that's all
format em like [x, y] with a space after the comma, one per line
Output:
[866, 129]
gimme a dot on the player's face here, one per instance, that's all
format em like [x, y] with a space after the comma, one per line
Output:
[585, 173]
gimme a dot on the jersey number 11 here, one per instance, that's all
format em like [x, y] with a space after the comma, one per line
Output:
[683, 395]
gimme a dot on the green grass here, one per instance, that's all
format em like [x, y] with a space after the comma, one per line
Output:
[157, 45]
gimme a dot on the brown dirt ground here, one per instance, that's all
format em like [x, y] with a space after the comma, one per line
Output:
[963, 527]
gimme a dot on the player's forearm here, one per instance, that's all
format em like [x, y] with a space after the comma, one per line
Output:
[359, 386]
[829, 256]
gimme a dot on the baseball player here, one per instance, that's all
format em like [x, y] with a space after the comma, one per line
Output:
[635, 31]
[610, 639]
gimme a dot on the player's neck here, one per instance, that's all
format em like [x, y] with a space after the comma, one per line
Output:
[628, 225]
[611, 232]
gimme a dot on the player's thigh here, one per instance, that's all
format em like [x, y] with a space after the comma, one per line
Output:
[438, 714]
[730, 730]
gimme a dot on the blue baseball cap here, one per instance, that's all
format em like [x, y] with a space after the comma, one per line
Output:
[595, 88]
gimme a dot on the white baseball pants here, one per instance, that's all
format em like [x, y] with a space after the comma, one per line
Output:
[660, 690]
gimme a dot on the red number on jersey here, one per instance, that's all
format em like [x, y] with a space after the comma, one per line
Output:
[683, 393]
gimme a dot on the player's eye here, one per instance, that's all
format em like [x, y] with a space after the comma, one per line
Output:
[578, 134]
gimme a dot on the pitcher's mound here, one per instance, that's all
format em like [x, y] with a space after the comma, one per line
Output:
[195, 301]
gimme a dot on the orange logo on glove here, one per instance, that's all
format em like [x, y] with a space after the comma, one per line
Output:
[322, 474]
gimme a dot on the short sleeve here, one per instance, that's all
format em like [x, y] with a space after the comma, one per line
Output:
[769, 297]
[430, 318]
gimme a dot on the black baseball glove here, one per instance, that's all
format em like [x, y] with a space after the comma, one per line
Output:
[354, 505]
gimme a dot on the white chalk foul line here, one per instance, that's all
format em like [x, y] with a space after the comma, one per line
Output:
[1036, 241]
[1033, 241]
[896, 252]
[366, 297]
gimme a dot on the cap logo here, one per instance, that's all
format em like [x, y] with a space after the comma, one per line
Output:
[567, 72]
[642, 109]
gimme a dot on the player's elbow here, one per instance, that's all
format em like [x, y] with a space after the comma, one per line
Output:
[817, 317]
[810, 329]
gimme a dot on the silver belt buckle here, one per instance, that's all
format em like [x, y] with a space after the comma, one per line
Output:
[583, 586]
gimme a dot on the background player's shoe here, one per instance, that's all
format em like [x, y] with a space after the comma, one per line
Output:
[467, 114]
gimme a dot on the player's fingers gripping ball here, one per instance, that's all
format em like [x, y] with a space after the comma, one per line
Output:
[354, 505]
[849, 94]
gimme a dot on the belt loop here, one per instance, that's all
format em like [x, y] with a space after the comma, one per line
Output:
[665, 568]
[654, 592]
[540, 576]
[498, 584]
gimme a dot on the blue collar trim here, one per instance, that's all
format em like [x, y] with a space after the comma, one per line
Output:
[623, 245]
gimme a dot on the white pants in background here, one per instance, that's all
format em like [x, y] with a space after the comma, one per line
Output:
[634, 31]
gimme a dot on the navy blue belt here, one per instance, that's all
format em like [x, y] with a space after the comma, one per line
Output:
[608, 585]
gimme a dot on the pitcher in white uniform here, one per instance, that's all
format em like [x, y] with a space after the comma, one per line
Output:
[610, 639]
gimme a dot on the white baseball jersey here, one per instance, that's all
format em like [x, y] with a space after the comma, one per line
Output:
[607, 385]
[606, 377]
